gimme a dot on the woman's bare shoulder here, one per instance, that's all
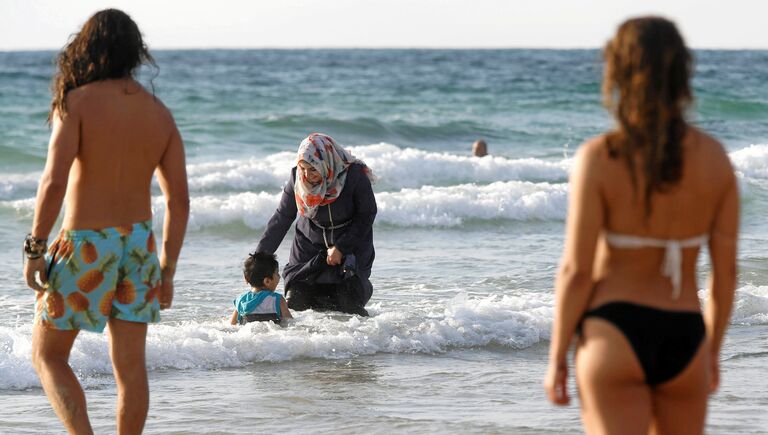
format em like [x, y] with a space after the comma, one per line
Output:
[593, 151]
[595, 144]
[702, 138]
[711, 152]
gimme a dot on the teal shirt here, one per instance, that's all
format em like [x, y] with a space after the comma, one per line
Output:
[248, 302]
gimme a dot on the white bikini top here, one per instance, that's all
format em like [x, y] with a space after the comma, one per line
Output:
[672, 266]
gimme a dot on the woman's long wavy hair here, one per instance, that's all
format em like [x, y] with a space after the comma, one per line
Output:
[646, 86]
[109, 46]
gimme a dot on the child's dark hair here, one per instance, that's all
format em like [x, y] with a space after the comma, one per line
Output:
[258, 266]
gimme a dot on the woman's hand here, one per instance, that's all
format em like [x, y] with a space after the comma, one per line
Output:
[334, 256]
[714, 372]
[31, 269]
[555, 383]
[166, 294]
[166, 287]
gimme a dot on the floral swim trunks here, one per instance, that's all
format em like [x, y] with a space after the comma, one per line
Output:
[94, 275]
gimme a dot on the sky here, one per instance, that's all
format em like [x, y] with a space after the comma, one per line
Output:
[166, 24]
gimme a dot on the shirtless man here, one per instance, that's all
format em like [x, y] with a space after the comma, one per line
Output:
[109, 135]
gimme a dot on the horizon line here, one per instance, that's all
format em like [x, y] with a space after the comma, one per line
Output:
[382, 48]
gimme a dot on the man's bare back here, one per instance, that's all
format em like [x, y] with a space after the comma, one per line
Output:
[125, 132]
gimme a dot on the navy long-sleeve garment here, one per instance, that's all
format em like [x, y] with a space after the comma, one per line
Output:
[356, 205]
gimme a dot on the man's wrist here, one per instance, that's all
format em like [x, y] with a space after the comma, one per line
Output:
[34, 247]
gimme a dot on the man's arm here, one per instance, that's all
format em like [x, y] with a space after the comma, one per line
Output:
[172, 177]
[62, 150]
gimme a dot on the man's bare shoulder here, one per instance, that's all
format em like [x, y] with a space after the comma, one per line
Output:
[163, 111]
[93, 95]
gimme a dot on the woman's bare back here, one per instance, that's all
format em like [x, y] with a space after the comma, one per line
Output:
[686, 210]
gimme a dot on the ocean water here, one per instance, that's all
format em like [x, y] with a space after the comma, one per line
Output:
[467, 247]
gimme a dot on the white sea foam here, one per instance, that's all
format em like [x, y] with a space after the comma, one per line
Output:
[269, 171]
[751, 306]
[411, 167]
[14, 185]
[417, 187]
[451, 206]
[250, 209]
[462, 322]
[396, 168]
[428, 206]
[751, 162]
[515, 322]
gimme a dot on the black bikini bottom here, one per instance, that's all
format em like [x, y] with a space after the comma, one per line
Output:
[664, 341]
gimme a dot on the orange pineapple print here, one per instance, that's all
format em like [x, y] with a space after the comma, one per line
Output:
[54, 301]
[88, 252]
[54, 304]
[151, 294]
[125, 291]
[105, 305]
[77, 302]
[92, 279]
[124, 230]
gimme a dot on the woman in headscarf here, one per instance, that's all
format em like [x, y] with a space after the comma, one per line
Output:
[332, 252]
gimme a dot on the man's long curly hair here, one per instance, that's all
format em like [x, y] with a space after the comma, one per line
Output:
[646, 86]
[109, 46]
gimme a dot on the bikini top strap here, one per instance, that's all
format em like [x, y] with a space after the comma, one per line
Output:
[627, 241]
[672, 266]
[673, 260]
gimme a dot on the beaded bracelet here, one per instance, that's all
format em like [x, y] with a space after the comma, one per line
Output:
[34, 248]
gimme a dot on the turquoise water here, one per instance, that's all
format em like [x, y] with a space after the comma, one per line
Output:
[466, 247]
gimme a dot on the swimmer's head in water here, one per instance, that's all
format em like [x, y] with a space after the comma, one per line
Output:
[109, 46]
[480, 148]
[647, 87]
[261, 271]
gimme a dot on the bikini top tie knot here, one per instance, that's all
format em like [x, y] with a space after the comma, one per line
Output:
[672, 265]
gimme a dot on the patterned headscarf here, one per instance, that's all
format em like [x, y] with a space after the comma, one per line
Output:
[331, 161]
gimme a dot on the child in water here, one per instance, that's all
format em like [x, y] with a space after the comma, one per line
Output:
[261, 303]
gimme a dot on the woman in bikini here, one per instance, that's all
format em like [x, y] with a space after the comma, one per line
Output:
[644, 198]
